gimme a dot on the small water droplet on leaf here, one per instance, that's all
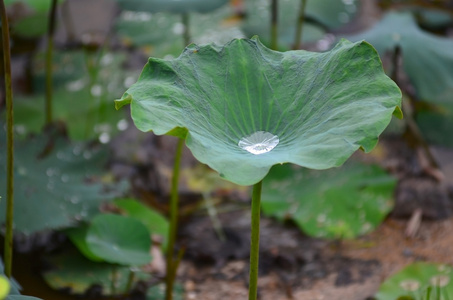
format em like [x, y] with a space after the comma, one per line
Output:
[259, 142]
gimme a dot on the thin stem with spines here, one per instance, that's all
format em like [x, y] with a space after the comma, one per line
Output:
[300, 24]
[8, 254]
[174, 199]
[255, 241]
[50, 33]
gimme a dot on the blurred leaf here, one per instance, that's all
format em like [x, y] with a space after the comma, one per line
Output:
[31, 26]
[436, 126]
[76, 97]
[330, 13]
[77, 236]
[53, 192]
[21, 297]
[157, 292]
[13, 288]
[162, 32]
[119, 239]
[72, 270]
[427, 59]
[338, 203]
[40, 6]
[413, 281]
[154, 221]
[174, 6]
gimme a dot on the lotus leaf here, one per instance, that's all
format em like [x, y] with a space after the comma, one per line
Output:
[337, 203]
[175, 6]
[119, 239]
[72, 270]
[413, 281]
[39, 6]
[427, 59]
[436, 125]
[320, 106]
[52, 192]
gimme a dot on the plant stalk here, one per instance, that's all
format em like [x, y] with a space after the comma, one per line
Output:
[50, 34]
[186, 33]
[274, 27]
[8, 254]
[300, 24]
[174, 199]
[255, 241]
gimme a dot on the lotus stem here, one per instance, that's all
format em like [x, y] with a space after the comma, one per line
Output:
[255, 241]
[300, 24]
[174, 199]
[50, 33]
[130, 280]
[8, 254]
[186, 33]
[274, 27]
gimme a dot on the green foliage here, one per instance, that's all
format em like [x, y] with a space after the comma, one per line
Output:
[72, 270]
[436, 124]
[77, 94]
[338, 203]
[162, 31]
[224, 94]
[119, 239]
[153, 221]
[427, 59]
[417, 281]
[175, 6]
[52, 192]
[39, 6]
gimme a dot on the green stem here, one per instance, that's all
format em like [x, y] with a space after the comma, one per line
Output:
[130, 281]
[186, 33]
[300, 24]
[274, 27]
[50, 32]
[255, 241]
[8, 255]
[173, 220]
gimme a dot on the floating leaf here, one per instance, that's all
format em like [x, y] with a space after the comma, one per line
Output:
[321, 106]
[413, 281]
[337, 203]
[157, 292]
[77, 236]
[72, 270]
[154, 221]
[175, 6]
[427, 59]
[53, 192]
[119, 239]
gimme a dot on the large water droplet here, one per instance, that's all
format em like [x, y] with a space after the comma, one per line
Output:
[259, 142]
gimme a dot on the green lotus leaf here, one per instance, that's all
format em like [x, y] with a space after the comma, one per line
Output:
[53, 192]
[39, 6]
[73, 271]
[414, 280]
[154, 221]
[436, 125]
[161, 32]
[343, 202]
[77, 235]
[175, 6]
[119, 239]
[247, 107]
[427, 59]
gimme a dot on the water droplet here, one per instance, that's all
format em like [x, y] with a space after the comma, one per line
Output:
[22, 171]
[321, 218]
[343, 17]
[78, 218]
[107, 59]
[64, 178]
[87, 154]
[20, 129]
[122, 125]
[410, 285]
[76, 85]
[178, 28]
[77, 150]
[439, 280]
[444, 268]
[104, 138]
[396, 37]
[96, 90]
[259, 142]
[128, 81]
[75, 200]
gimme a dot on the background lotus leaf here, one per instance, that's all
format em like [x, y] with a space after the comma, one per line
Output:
[119, 239]
[427, 59]
[338, 203]
[175, 6]
[37, 5]
[322, 106]
[413, 281]
[54, 191]
[160, 34]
